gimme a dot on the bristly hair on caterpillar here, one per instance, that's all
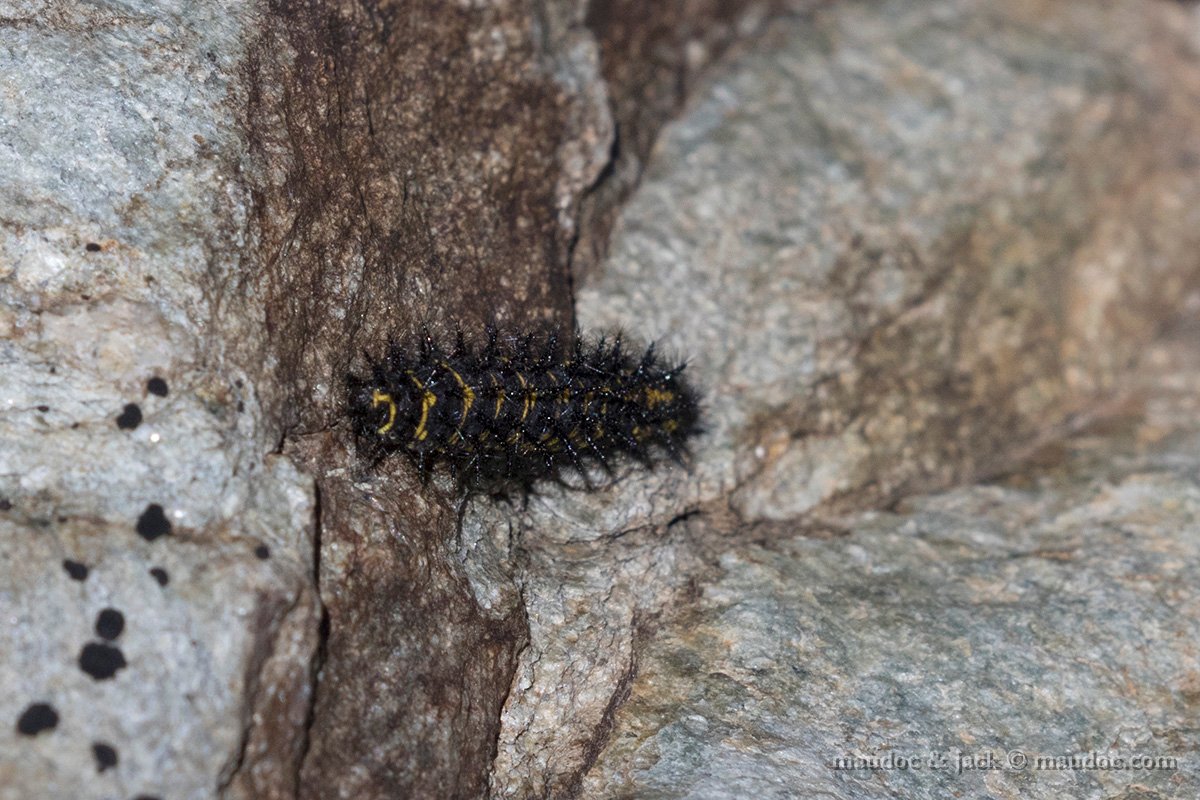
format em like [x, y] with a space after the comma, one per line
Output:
[522, 409]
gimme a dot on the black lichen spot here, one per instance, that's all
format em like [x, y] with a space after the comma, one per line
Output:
[43, 409]
[153, 523]
[101, 661]
[263, 552]
[109, 624]
[130, 418]
[160, 575]
[77, 571]
[5, 504]
[37, 718]
[157, 386]
[92, 247]
[106, 756]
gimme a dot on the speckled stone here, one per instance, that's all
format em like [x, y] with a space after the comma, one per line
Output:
[119, 216]
[899, 242]
[1052, 615]
[901, 245]
[188, 660]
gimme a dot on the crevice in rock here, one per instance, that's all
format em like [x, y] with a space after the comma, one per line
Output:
[403, 178]
[318, 660]
[270, 618]
[520, 654]
[604, 727]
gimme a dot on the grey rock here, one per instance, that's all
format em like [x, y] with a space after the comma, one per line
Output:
[226, 639]
[971, 644]
[117, 209]
[895, 242]
[902, 245]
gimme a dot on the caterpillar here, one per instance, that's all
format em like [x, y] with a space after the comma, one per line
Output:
[519, 410]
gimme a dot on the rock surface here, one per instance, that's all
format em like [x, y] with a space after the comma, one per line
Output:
[135, 475]
[897, 241]
[1051, 616]
[187, 655]
[428, 172]
[901, 245]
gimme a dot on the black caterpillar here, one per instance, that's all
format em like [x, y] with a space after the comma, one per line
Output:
[520, 410]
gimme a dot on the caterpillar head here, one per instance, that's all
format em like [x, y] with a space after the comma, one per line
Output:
[383, 417]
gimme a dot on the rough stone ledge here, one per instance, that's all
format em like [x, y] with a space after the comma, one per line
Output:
[901, 246]
[1052, 615]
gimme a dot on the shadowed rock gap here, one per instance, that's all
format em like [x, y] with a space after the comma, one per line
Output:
[372, 127]
[407, 172]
